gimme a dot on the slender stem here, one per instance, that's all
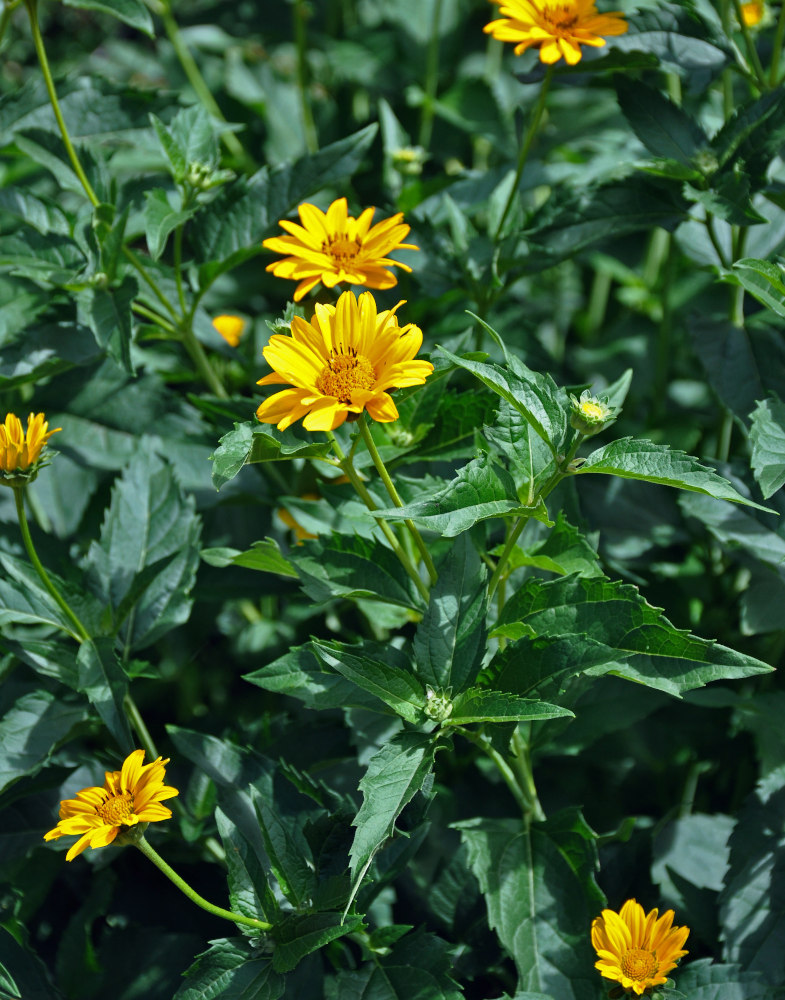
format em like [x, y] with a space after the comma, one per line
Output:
[178, 266]
[5, 17]
[149, 280]
[381, 468]
[431, 77]
[709, 224]
[38, 42]
[182, 885]
[300, 14]
[197, 81]
[531, 131]
[663, 357]
[776, 49]
[82, 635]
[523, 765]
[503, 767]
[752, 51]
[136, 720]
[501, 565]
[349, 470]
[154, 317]
[202, 363]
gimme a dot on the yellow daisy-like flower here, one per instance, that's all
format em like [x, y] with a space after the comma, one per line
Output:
[333, 247]
[343, 362]
[558, 27]
[752, 13]
[19, 451]
[635, 949]
[230, 327]
[130, 796]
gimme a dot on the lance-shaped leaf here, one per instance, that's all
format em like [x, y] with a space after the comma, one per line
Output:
[450, 640]
[301, 675]
[265, 556]
[231, 967]
[300, 934]
[103, 680]
[480, 491]
[288, 851]
[763, 280]
[652, 651]
[395, 774]
[133, 12]
[768, 445]
[251, 442]
[535, 396]
[249, 890]
[394, 685]
[631, 458]
[665, 129]
[479, 705]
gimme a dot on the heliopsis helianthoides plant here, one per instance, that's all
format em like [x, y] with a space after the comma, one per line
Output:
[230, 327]
[637, 949]
[20, 450]
[333, 247]
[130, 796]
[753, 13]
[558, 27]
[345, 361]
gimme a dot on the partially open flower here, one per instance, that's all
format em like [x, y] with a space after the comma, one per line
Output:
[635, 949]
[591, 413]
[20, 452]
[753, 13]
[230, 327]
[130, 796]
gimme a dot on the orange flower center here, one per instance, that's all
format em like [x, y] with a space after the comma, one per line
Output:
[342, 250]
[119, 810]
[560, 15]
[639, 965]
[344, 373]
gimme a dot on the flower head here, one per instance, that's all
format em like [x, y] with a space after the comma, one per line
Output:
[130, 796]
[591, 413]
[333, 247]
[20, 452]
[230, 327]
[637, 949]
[558, 27]
[753, 13]
[343, 362]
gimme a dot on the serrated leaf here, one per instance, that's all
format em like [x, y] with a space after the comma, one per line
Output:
[767, 436]
[107, 312]
[300, 934]
[265, 556]
[105, 683]
[230, 968]
[707, 980]
[478, 705]
[31, 730]
[664, 128]
[631, 458]
[288, 852]
[251, 442]
[42, 214]
[763, 280]
[161, 219]
[132, 12]
[249, 891]
[731, 367]
[652, 651]
[449, 643]
[299, 674]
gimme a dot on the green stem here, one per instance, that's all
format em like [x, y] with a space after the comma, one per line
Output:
[38, 42]
[752, 51]
[502, 766]
[531, 131]
[501, 565]
[299, 14]
[5, 17]
[431, 77]
[523, 765]
[197, 81]
[182, 885]
[154, 317]
[81, 635]
[709, 224]
[200, 360]
[178, 266]
[381, 468]
[663, 358]
[135, 718]
[776, 51]
[349, 470]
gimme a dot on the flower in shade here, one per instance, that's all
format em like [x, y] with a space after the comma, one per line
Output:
[558, 27]
[20, 452]
[129, 796]
[230, 327]
[753, 13]
[334, 247]
[343, 362]
[635, 949]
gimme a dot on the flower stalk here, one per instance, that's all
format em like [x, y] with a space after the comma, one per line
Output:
[182, 885]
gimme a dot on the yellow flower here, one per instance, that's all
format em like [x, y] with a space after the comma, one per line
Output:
[637, 949]
[341, 363]
[230, 327]
[129, 796]
[300, 533]
[559, 27]
[752, 13]
[336, 247]
[19, 452]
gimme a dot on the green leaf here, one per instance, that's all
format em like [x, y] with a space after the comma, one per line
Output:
[105, 683]
[231, 968]
[300, 674]
[538, 906]
[107, 312]
[726, 351]
[395, 774]
[477, 705]
[393, 685]
[707, 980]
[249, 891]
[145, 563]
[265, 556]
[300, 934]
[251, 442]
[763, 280]
[132, 12]
[287, 850]
[31, 730]
[664, 128]
[480, 491]
[449, 643]
[30, 975]
[42, 214]
[161, 219]
[565, 550]
[767, 436]
[353, 568]
[652, 651]
[657, 463]
[190, 138]
[536, 397]
[736, 528]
